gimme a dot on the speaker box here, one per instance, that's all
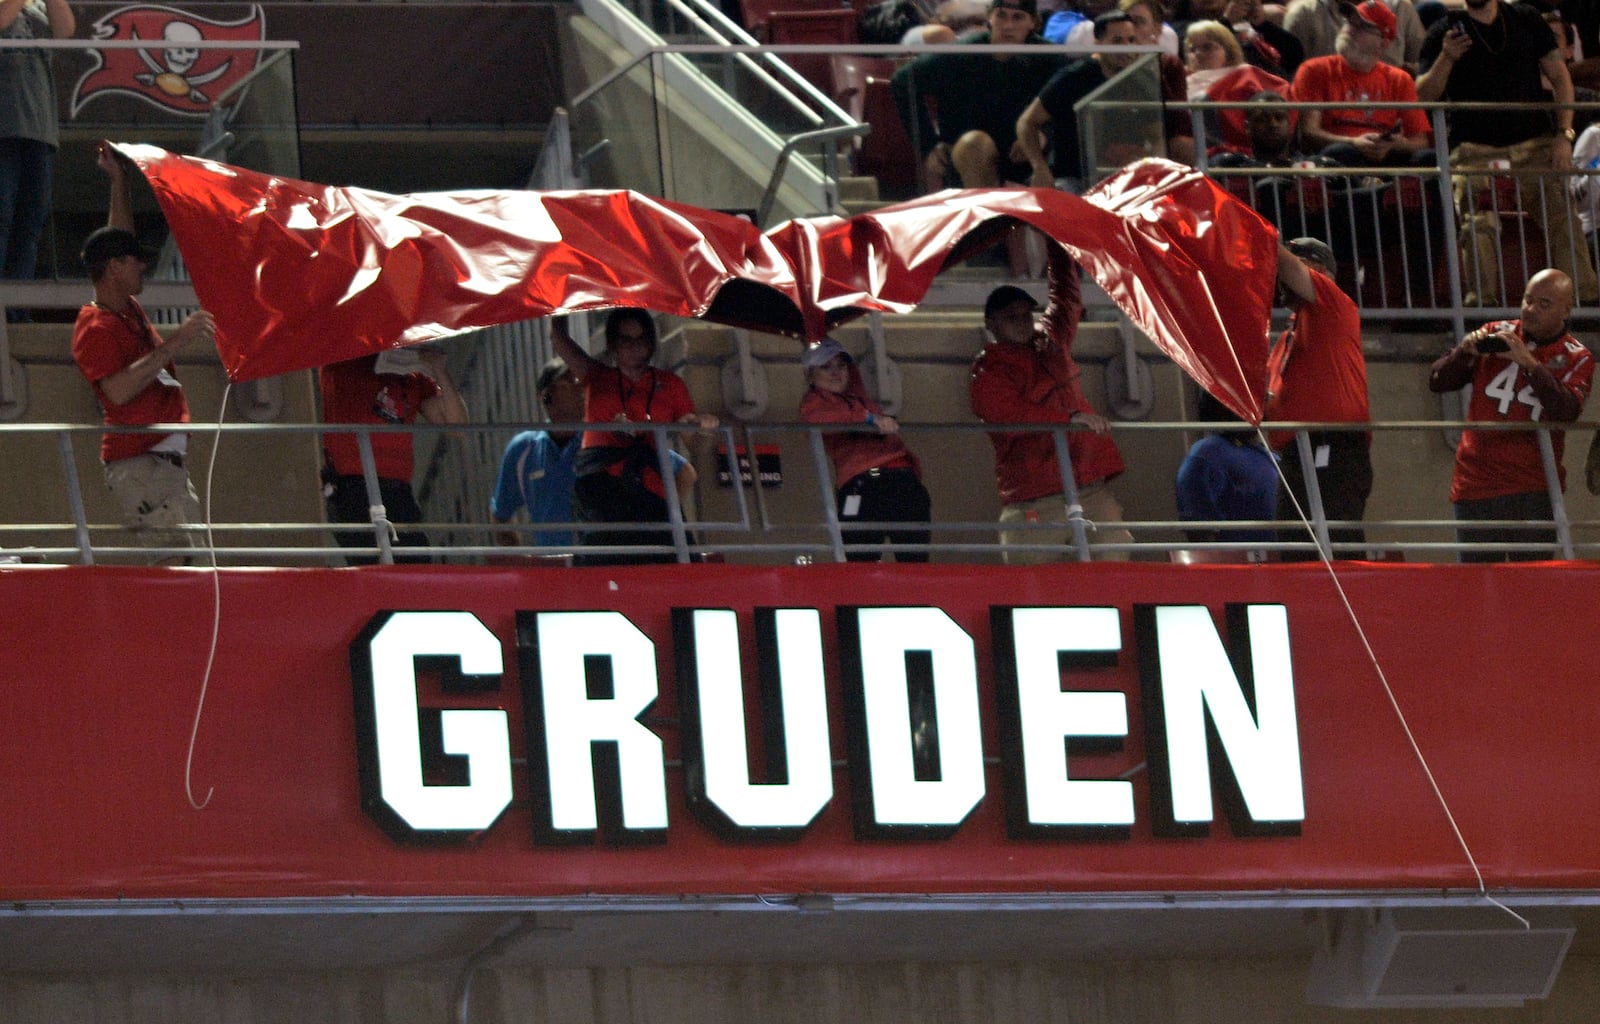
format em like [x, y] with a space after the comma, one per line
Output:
[1456, 957]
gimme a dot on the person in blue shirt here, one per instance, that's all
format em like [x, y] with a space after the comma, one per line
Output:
[536, 472]
[1227, 476]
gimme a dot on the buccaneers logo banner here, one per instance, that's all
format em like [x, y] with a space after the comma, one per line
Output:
[175, 73]
[300, 274]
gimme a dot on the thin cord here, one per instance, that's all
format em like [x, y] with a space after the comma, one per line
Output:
[1416, 748]
[216, 616]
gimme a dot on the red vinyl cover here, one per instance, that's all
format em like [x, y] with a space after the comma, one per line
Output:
[301, 275]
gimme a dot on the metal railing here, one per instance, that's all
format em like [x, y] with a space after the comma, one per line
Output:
[742, 521]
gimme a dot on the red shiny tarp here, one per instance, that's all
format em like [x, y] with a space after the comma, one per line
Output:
[300, 274]
[95, 725]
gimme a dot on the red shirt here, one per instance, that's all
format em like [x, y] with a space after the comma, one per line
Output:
[856, 452]
[106, 343]
[1014, 383]
[353, 393]
[1331, 79]
[1319, 369]
[1494, 463]
[658, 396]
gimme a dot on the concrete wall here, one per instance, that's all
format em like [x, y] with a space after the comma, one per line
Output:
[1114, 992]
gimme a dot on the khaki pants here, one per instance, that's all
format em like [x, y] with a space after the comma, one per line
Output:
[1101, 509]
[155, 495]
[1543, 198]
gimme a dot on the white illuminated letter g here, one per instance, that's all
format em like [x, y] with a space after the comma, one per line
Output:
[389, 735]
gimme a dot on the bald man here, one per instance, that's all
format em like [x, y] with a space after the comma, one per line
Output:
[1521, 371]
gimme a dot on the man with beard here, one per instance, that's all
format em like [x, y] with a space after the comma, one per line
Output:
[1521, 371]
[1495, 52]
[1363, 135]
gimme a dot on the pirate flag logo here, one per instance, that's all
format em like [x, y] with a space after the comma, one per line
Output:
[175, 73]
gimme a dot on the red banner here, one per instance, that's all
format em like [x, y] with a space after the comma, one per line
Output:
[300, 274]
[105, 666]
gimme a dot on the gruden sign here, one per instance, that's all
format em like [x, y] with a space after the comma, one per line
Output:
[1218, 713]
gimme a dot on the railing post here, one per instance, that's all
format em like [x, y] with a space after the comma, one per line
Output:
[830, 514]
[80, 519]
[1558, 504]
[381, 526]
[669, 489]
[1069, 495]
[1308, 474]
[1447, 204]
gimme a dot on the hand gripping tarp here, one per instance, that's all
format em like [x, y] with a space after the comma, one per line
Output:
[301, 275]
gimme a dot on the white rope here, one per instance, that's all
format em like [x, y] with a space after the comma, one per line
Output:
[1416, 748]
[216, 617]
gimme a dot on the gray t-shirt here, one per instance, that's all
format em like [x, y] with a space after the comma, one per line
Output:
[27, 86]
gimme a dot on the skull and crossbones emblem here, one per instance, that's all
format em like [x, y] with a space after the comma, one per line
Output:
[180, 54]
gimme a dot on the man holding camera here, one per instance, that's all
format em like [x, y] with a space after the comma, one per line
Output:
[1521, 371]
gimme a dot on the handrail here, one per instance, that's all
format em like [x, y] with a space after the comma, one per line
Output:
[781, 165]
[723, 535]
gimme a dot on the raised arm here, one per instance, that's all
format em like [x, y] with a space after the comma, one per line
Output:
[571, 353]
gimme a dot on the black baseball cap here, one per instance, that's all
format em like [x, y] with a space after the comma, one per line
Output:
[1315, 250]
[106, 244]
[1006, 295]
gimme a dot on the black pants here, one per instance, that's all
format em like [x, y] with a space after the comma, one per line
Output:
[1534, 506]
[347, 503]
[603, 498]
[1345, 483]
[884, 496]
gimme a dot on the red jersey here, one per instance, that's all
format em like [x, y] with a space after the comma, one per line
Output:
[1331, 79]
[106, 343]
[658, 396]
[1319, 370]
[854, 453]
[353, 393]
[1491, 464]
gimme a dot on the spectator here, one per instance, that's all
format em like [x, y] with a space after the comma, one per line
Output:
[1150, 28]
[1227, 476]
[537, 472]
[1363, 135]
[1053, 108]
[1530, 370]
[388, 388]
[29, 132]
[130, 366]
[1026, 375]
[1262, 44]
[1585, 189]
[1292, 204]
[1217, 73]
[1316, 24]
[978, 99]
[876, 477]
[1495, 52]
[1317, 373]
[619, 474]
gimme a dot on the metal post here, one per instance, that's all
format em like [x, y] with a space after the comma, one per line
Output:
[1308, 473]
[830, 515]
[375, 508]
[1069, 495]
[1558, 504]
[80, 519]
[669, 488]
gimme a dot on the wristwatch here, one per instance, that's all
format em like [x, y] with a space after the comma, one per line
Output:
[1568, 134]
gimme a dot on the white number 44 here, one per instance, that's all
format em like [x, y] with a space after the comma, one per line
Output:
[1503, 388]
